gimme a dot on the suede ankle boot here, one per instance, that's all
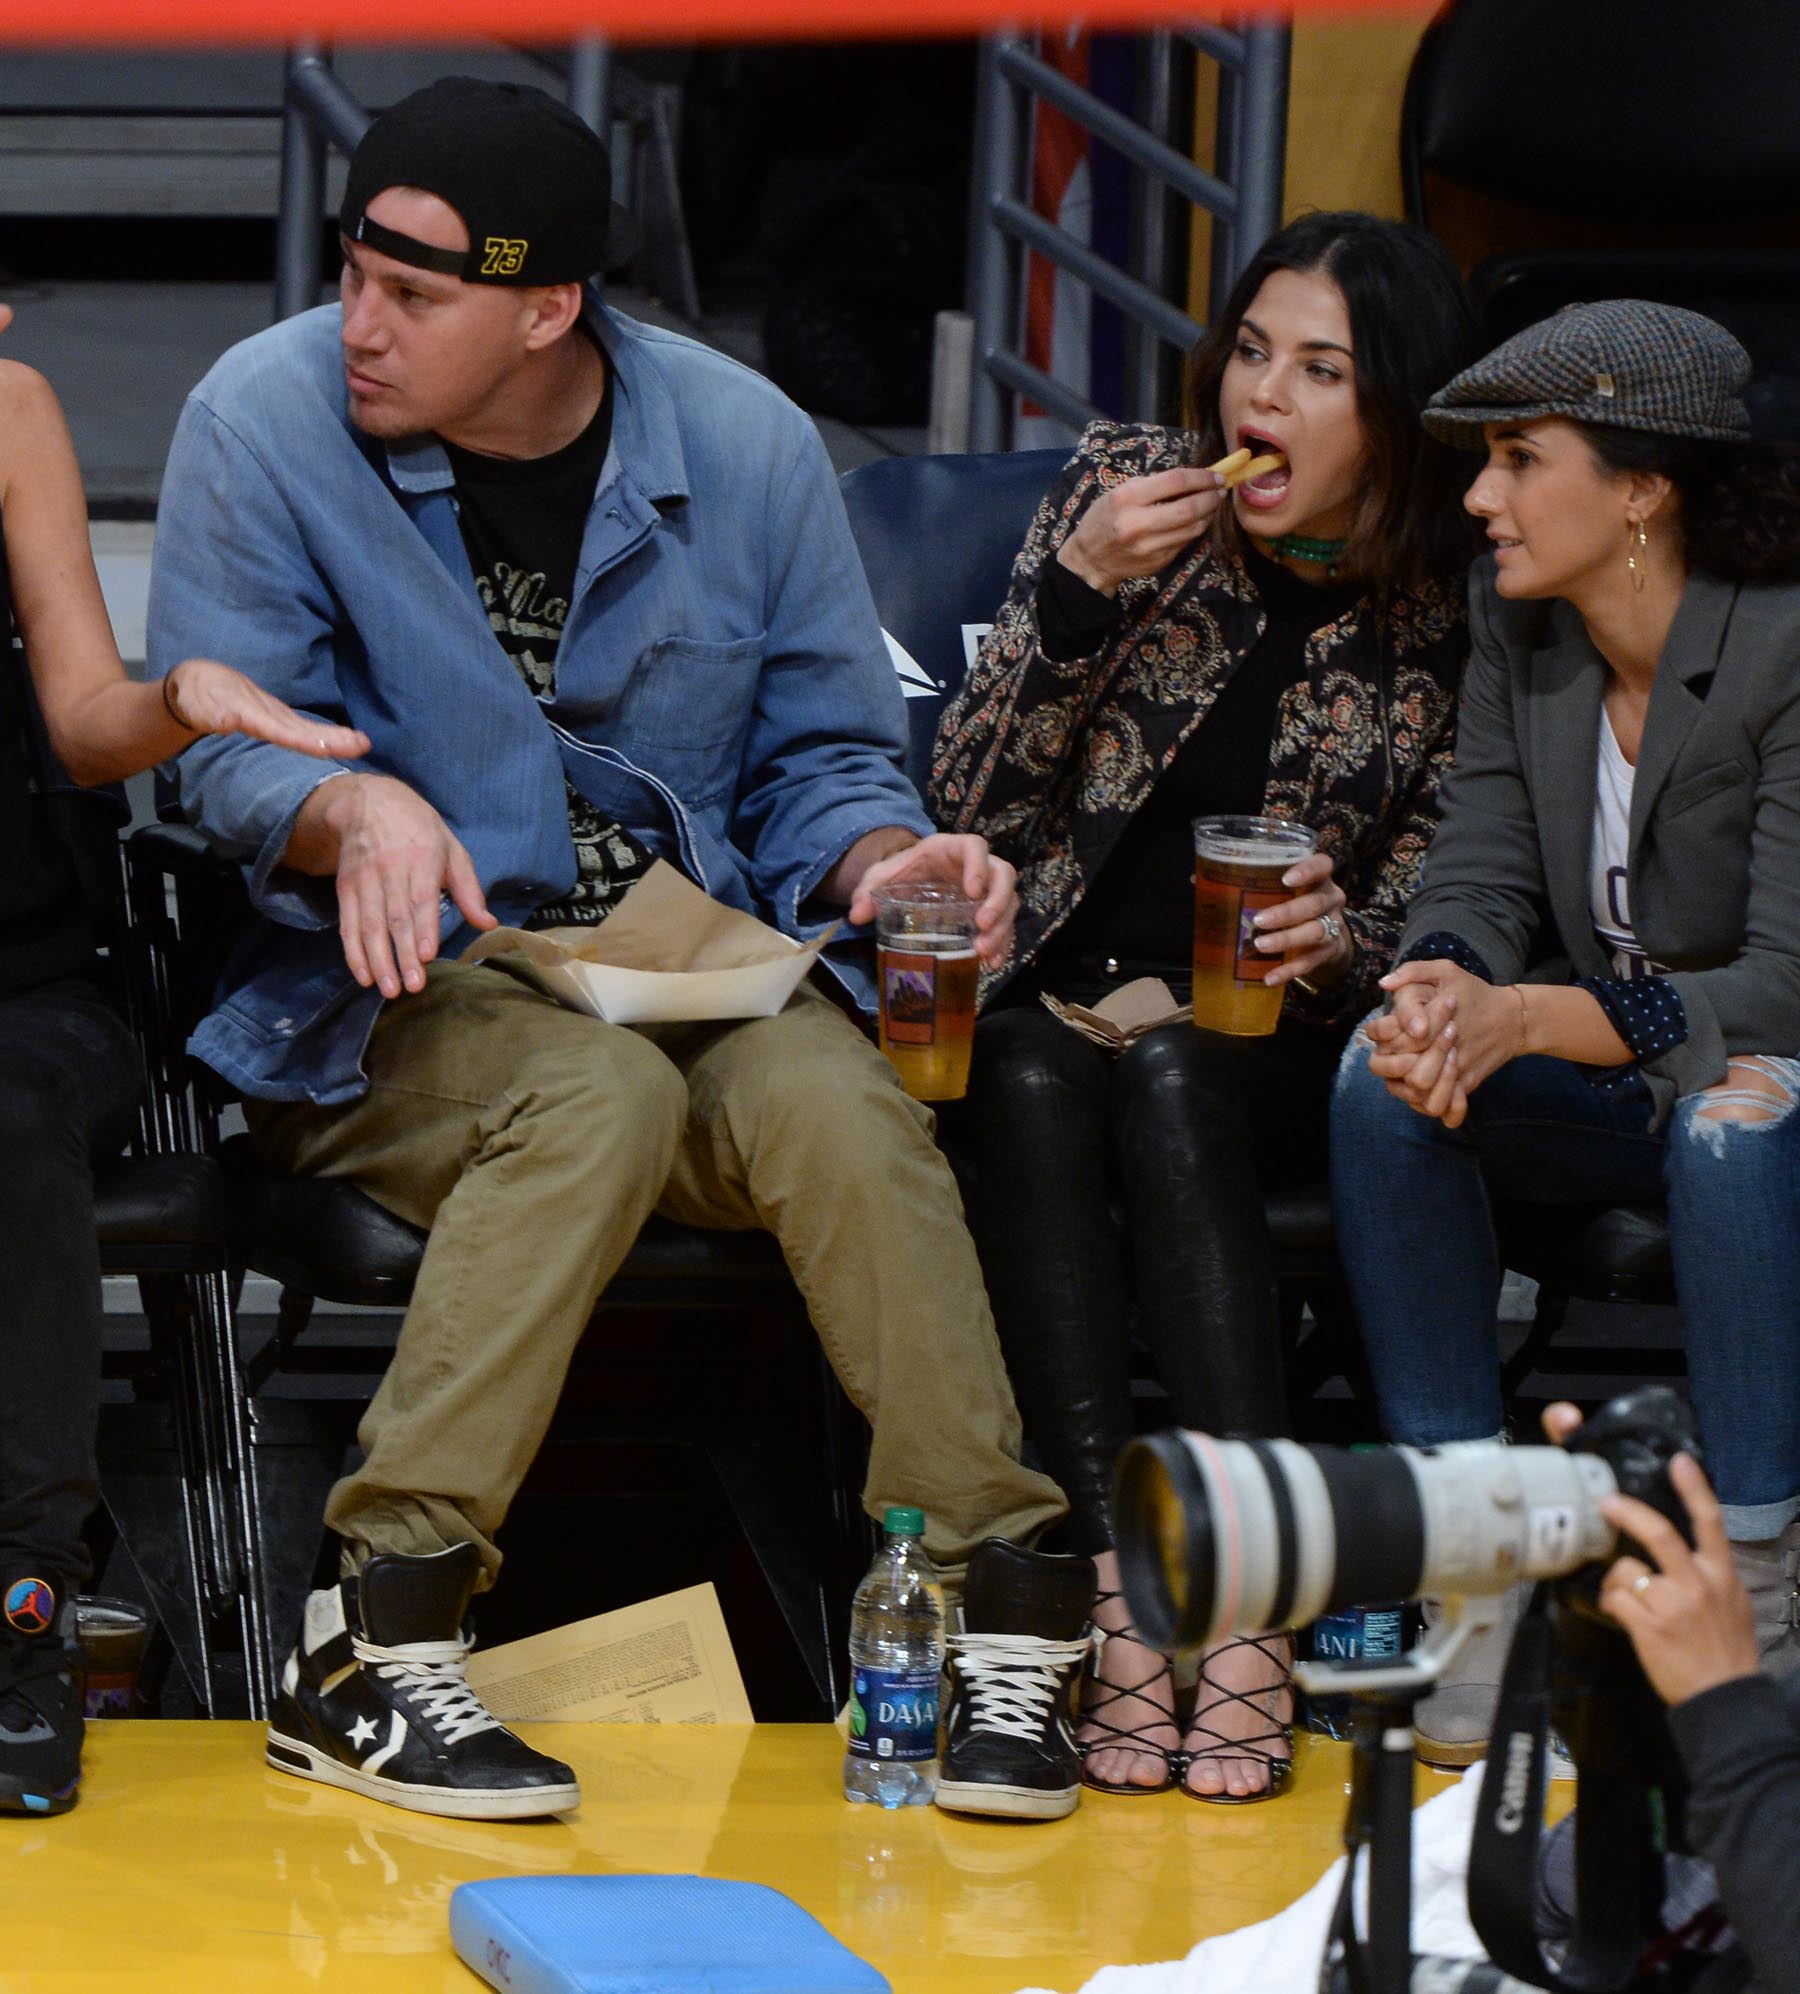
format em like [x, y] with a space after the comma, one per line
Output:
[1770, 1571]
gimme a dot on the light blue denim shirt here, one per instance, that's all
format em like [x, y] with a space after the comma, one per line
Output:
[722, 688]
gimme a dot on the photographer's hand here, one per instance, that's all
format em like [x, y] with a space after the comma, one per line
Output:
[1690, 1618]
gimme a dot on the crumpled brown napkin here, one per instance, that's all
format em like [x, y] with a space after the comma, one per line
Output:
[1123, 1018]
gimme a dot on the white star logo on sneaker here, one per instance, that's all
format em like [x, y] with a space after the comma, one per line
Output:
[362, 1732]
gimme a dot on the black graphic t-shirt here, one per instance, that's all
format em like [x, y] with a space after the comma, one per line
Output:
[522, 521]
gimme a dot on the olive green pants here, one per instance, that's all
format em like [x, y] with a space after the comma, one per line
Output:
[534, 1142]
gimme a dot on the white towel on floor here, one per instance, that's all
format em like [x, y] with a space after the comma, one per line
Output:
[1281, 1955]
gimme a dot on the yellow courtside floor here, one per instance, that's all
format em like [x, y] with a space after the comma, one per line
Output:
[189, 1865]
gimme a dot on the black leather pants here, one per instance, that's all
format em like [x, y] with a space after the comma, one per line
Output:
[1107, 1190]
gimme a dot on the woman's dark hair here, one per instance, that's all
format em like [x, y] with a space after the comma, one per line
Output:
[1740, 502]
[1411, 329]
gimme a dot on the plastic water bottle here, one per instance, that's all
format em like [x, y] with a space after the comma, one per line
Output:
[896, 1656]
[1356, 1634]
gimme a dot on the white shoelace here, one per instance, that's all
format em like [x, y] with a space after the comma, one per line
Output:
[1013, 1678]
[429, 1674]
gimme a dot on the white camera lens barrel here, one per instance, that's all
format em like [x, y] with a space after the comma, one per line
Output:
[1496, 1514]
[1217, 1537]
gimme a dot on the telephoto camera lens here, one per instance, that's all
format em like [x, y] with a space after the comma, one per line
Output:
[1222, 1537]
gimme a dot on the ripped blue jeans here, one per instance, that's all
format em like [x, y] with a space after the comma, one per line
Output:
[1417, 1239]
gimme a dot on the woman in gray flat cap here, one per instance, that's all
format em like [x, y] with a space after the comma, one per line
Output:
[1597, 995]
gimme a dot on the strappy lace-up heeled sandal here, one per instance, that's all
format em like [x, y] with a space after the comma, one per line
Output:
[1098, 1696]
[1211, 1695]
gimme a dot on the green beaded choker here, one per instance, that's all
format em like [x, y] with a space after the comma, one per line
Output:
[1324, 554]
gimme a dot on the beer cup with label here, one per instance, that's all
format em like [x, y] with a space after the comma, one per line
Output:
[928, 971]
[1238, 863]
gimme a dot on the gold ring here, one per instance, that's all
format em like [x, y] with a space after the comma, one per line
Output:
[1641, 1584]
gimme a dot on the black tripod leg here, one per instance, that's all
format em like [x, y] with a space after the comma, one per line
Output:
[1390, 1856]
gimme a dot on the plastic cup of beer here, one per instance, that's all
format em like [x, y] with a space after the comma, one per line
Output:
[113, 1632]
[1238, 863]
[925, 939]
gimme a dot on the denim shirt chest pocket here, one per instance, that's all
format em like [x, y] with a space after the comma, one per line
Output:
[685, 710]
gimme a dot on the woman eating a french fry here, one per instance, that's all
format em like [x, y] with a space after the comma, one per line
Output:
[1276, 636]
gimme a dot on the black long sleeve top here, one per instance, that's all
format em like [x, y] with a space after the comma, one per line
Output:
[1741, 1746]
[1141, 908]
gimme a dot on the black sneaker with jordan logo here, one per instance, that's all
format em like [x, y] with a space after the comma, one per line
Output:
[43, 1686]
[374, 1699]
[1009, 1728]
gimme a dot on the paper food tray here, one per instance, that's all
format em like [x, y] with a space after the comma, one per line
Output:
[663, 996]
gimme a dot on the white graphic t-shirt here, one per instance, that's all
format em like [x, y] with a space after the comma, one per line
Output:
[1608, 903]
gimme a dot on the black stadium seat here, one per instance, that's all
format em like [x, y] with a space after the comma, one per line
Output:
[1618, 148]
[937, 536]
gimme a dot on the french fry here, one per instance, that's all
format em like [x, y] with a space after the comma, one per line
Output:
[1235, 462]
[1254, 467]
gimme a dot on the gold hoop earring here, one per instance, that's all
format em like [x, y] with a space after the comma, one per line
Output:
[1637, 554]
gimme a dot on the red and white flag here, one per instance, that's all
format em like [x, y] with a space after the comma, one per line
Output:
[1058, 310]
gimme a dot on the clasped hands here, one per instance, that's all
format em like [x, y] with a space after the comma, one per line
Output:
[1448, 1031]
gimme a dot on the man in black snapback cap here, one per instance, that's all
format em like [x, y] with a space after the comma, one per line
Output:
[530, 183]
[590, 590]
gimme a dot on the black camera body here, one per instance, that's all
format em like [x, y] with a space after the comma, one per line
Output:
[1601, 1704]
[1637, 1435]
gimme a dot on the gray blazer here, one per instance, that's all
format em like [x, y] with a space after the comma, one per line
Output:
[1714, 865]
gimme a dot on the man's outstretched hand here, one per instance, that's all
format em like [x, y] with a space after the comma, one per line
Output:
[393, 857]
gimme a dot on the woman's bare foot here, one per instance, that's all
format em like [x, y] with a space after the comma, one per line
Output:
[1244, 1698]
[1142, 1703]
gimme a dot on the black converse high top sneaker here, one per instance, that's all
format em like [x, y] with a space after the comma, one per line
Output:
[374, 1699]
[1009, 1733]
[42, 1690]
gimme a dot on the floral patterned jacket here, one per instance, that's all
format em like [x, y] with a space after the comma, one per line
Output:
[1048, 761]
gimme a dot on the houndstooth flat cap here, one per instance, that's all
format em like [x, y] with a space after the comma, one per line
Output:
[1624, 363]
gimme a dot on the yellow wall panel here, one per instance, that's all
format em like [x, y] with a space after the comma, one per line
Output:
[1348, 80]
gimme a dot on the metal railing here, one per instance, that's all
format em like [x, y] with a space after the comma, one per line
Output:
[318, 113]
[1243, 196]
